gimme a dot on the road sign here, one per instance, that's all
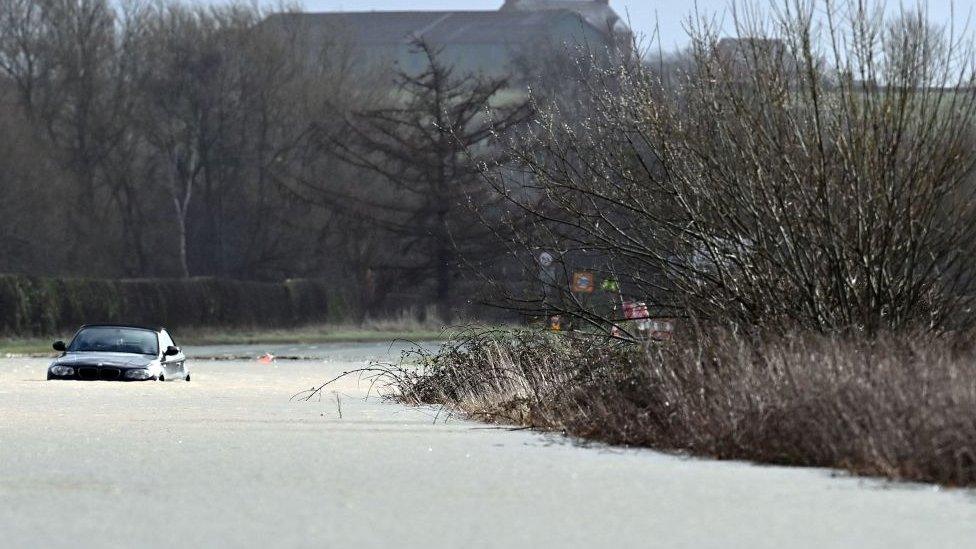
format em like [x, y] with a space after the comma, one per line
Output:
[635, 310]
[556, 323]
[584, 282]
[662, 330]
[610, 285]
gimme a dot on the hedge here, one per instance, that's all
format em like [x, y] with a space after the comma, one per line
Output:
[43, 306]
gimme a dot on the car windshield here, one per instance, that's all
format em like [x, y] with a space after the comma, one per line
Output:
[116, 340]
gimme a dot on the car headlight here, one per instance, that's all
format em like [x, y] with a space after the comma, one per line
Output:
[140, 374]
[60, 370]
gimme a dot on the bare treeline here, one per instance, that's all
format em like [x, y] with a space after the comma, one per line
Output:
[815, 171]
[147, 139]
[164, 139]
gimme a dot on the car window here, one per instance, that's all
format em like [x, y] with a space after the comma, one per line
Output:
[165, 340]
[115, 340]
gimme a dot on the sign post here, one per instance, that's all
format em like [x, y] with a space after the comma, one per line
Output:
[547, 277]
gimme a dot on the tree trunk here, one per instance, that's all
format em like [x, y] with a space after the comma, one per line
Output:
[182, 207]
[181, 239]
[444, 268]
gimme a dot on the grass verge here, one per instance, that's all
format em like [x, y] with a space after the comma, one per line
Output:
[368, 332]
[895, 407]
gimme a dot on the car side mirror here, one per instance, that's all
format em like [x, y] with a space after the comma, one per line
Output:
[60, 346]
[172, 351]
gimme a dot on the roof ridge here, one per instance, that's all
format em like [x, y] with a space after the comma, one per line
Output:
[422, 31]
[471, 27]
[383, 12]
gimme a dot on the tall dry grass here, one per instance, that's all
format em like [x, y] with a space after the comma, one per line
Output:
[897, 407]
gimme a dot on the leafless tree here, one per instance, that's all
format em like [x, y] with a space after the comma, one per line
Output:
[802, 174]
[59, 54]
[222, 101]
[425, 149]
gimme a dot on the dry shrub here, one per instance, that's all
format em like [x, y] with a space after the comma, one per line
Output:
[897, 407]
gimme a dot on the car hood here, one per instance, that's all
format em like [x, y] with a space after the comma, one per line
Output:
[117, 360]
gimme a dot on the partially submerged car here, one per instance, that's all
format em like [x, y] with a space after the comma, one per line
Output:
[110, 352]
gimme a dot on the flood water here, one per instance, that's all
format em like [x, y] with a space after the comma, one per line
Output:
[228, 460]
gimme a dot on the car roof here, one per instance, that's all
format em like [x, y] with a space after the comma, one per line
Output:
[118, 325]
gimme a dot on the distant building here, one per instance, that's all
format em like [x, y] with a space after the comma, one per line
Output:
[745, 56]
[597, 13]
[484, 42]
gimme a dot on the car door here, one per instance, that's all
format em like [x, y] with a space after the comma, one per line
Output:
[173, 366]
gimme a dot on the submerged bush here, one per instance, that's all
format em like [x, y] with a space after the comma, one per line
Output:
[895, 407]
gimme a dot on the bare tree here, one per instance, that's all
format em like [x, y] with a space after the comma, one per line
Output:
[792, 176]
[426, 150]
[171, 135]
[182, 91]
[60, 55]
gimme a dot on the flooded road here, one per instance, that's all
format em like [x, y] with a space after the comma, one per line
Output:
[227, 460]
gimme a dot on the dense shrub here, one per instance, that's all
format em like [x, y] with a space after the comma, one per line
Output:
[39, 306]
[897, 407]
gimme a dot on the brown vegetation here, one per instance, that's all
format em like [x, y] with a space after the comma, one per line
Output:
[802, 197]
[897, 407]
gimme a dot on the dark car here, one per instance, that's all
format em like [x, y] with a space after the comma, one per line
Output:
[109, 352]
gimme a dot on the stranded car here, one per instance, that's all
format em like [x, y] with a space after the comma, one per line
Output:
[110, 352]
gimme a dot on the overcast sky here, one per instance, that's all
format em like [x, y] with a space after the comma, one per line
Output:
[670, 14]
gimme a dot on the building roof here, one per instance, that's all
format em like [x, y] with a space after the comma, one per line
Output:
[597, 13]
[439, 27]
